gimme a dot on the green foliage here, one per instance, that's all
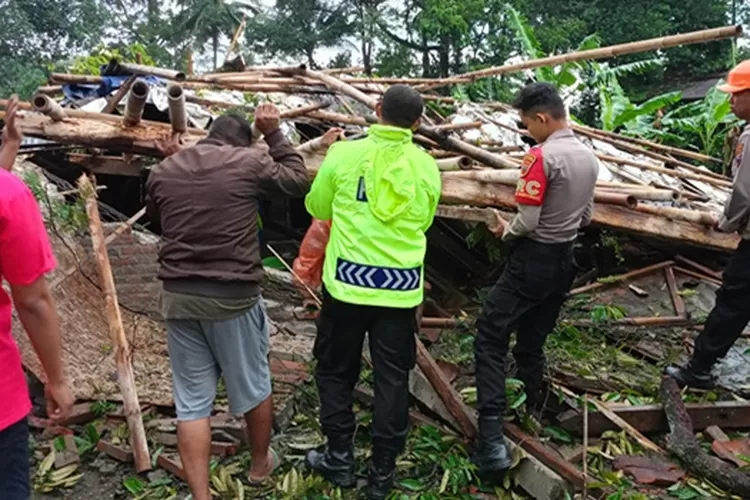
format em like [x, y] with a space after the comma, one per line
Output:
[297, 28]
[101, 408]
[704, 123]
[101, 55]
[481, 236]
[65, 216]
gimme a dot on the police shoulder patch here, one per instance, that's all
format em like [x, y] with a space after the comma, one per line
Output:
[528, 160]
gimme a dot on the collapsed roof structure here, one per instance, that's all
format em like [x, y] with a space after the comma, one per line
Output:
[110, 124]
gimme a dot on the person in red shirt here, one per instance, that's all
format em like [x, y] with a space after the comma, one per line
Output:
[25, 258]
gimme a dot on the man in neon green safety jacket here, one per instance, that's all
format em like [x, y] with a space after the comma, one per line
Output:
[380, 194]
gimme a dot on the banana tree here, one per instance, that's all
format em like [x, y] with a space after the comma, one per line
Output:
[703, 124]
[562, 76]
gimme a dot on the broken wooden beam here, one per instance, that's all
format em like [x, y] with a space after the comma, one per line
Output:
[617, 420]
[548, 457]
[682, 442]
[125, 375]
[620, 278]
[106, 164]
[650, 419]
[445, 390]
[674, 293]
[717, 275]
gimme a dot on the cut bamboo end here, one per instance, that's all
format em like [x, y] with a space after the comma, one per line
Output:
[136, 103]
[454, 164]
[177, 115]
[622, 199]
[44, 104]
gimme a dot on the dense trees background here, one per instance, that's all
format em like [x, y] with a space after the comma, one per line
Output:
[390, 37]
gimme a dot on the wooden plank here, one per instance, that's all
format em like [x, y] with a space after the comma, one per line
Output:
[729, 415]
[674, 293]
[548, 457]
[617, 420]
[114, 165]
[452, 400]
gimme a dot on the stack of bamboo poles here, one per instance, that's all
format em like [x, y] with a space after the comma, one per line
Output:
[474, 175]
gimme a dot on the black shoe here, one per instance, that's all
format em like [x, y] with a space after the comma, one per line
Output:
[382, 475]
[335, 462]
[492, 458]
[691, 376]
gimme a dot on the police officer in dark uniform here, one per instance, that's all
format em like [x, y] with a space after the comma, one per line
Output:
[731, 312]
[555, 196]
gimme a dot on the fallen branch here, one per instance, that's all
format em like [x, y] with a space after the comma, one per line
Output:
[682, 442]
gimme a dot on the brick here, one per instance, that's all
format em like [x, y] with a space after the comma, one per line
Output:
[81, 414]
[173, 465]
[54, 431]
[165, 438]
[223, 449]
[69, 455]
[117, 452]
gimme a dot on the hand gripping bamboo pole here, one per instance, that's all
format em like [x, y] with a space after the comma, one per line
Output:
[125, 375]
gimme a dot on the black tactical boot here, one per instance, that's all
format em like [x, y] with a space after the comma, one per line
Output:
[492, 458]
[692, 375]
[382, 474]
[335, 462]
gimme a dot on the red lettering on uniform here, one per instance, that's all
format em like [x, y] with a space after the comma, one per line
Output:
[533, 183]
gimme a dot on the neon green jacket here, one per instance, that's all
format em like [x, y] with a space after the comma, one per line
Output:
[381, 194]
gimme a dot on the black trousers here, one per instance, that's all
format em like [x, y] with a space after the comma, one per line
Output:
[338, 350]
[527, 299]
[14, 462]
[730, 314]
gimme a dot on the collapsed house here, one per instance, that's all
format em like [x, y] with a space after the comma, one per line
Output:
[107, 125]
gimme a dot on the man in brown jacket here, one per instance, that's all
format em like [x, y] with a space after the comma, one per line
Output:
[204, 198]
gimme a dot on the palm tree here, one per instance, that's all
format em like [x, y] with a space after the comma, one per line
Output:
[207, 20]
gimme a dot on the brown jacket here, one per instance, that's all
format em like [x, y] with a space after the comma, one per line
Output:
[204, 198]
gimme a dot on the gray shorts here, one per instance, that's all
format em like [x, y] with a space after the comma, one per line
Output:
[200, 351]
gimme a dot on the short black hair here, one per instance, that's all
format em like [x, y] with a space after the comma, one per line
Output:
[232, 129]
[540, 97]
[402, 106]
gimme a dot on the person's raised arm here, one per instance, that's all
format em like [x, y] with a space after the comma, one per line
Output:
[283, 169]
[25, 258]
[11, 136]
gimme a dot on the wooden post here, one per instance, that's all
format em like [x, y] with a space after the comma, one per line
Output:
[125, 376]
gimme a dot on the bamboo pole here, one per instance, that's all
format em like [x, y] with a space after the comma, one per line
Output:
[665, 171]
[176, 102]
[136, 103]
[44, 104]
[696, 217]
[445, 141]
[622, 277]
[125, 375]
[455, 163]
[115, 100]
[452, 127]
[622, 199]
[642, 194]
[609, 52]
[49, 89]
[632, 148]
[648, 144]
[140, 69]
[508, 177]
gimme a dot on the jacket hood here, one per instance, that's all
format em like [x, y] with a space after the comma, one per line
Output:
[389, 176]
